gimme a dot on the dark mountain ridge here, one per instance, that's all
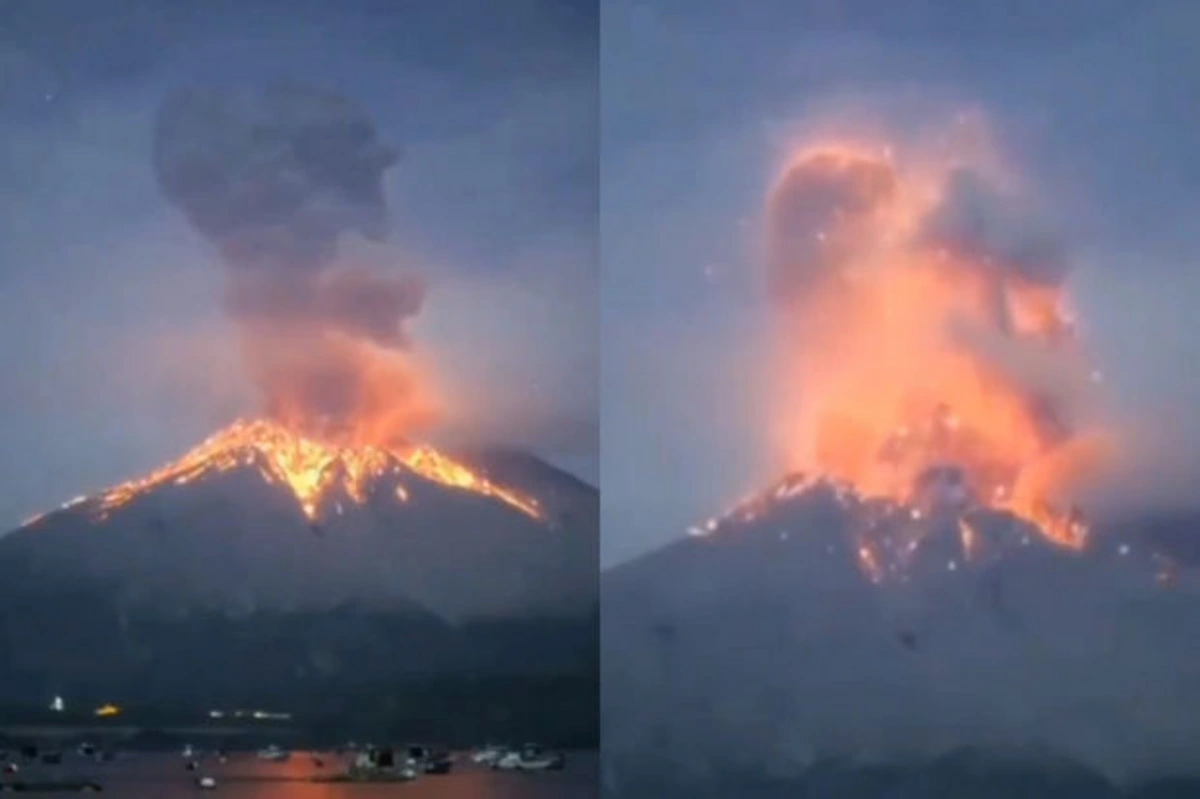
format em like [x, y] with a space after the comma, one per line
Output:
[219, 591]
[763, 647]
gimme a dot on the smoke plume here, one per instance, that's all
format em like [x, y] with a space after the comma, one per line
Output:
[273, 179]
[917, 295]
[815, 211]
[978, 222]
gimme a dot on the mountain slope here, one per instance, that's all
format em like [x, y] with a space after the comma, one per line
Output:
[219, 585]
[765, 645]
[235, 533]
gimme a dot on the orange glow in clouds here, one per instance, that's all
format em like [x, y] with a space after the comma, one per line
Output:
[923, 328]
[342, 389]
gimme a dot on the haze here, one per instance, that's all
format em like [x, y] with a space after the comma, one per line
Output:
[116, 354]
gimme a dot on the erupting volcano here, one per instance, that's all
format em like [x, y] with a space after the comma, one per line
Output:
[274, 179]
[934, 372]
[316, 552]
[923, 577]
[304, 522]
[269, 566]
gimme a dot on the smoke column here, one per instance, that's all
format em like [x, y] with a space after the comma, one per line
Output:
[273, 179]
[917, 294]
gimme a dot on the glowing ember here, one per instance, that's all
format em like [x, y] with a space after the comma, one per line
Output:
[870, 563]
[312, 471]
[968, 538]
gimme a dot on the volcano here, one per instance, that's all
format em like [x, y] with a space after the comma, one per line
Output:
[813, 622]
[265, 558]
[930, 576]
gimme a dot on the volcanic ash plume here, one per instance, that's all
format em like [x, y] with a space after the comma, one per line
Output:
[926, 335]
[273, 179]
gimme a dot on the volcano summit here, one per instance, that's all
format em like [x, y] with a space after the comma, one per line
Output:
[256, 515]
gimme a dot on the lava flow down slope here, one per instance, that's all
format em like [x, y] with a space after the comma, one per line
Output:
[928, 575]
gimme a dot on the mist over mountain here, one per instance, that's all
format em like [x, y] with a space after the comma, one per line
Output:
[761, 653]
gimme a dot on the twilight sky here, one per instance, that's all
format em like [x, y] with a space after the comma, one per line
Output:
[1093, 101]
[116, 355]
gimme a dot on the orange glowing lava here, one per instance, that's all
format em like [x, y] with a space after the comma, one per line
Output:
[313, 471]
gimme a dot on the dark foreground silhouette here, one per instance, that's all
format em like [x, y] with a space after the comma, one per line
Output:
[965, 773]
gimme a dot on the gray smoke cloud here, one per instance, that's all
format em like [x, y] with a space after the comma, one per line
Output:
[977, 221]
[817, 212]
[996, 233]
[274, 178]
[813, 215]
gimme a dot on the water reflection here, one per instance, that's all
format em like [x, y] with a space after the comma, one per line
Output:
[243, 776]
